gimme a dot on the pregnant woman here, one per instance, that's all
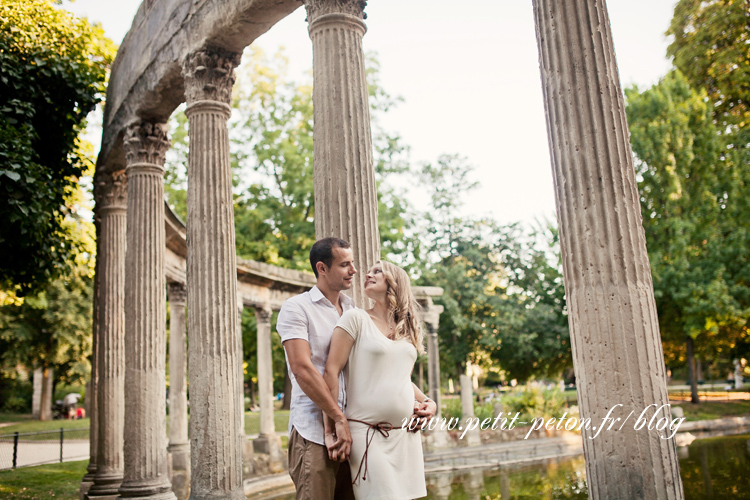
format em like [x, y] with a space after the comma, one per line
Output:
[377, 349]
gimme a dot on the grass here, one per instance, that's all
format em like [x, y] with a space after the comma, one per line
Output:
[59, 481]
[710, 410]
[252, 421]
[49, 425]
[13, 417]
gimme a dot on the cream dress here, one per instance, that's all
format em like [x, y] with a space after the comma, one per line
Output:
[378, 389]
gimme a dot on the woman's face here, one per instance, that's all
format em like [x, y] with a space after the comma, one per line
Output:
[375, 285]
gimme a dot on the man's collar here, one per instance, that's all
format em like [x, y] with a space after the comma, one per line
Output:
[316, 295]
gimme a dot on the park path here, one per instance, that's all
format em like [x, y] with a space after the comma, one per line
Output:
[42, 452]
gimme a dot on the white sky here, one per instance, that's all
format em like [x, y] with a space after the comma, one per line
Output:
[470, 82]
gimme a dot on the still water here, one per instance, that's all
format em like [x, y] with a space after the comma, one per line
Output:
[712, 469]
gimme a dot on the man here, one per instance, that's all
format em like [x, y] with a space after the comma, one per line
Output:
[305, 324]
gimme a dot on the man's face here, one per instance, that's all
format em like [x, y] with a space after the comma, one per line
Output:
[339, 276]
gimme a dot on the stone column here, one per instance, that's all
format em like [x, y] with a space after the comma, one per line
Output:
[145, 445]
[36, 396]
[111, 205]
[344, 177]
[215, 367]
[738, 381]
[614, 329]
[91, 389]
[267, 441]
[467, 407]
[431, 322]
[179, 446]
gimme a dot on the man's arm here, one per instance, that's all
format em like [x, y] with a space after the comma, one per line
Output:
[338, 355]
[314, 386]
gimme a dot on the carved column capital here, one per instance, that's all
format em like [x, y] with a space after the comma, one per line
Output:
[176, 293]
[111, 190]
[263, 314]
[318, 8]
[209, 75]
[146, 142]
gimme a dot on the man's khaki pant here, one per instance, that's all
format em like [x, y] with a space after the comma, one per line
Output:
[315, 476]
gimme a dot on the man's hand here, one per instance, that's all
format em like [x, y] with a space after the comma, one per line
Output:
[339, 441]
[423, 413]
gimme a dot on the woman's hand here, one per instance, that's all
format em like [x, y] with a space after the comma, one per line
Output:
[423, 413]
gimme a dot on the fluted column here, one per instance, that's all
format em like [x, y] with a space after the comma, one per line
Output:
[215, 365]
[179, 447]
[145, 444]
[431, 322]
[614, 329]
[88, 478]
[111, 206]
[267, 441]
[346, 204]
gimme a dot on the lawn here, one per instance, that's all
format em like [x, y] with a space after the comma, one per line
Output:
[710, 410]
[59, 481]
[252, 421]
[47, 426]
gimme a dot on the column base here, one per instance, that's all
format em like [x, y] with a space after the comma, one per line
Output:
[105, 485]
[84, 489]
[437, 439]
[270, 444]
[101, 497]
[159, 496]
[148, 490]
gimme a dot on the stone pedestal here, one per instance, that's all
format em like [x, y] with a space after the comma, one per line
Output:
[215, 366]
[738, 380]
[471, 438]
[344, 176]
[179, 446]
[111, 202]
[145, 444]
[36, 396]
[614, 329]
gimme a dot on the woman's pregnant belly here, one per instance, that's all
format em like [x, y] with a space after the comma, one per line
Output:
[373, 403]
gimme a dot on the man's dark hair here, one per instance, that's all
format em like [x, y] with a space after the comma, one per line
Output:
[322, 251]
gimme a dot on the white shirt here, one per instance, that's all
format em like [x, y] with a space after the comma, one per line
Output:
[311, 316]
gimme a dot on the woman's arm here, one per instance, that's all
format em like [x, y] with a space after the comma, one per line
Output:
[338, 355]
[424, 408]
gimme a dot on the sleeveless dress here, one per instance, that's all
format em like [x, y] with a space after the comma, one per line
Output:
[378, 389]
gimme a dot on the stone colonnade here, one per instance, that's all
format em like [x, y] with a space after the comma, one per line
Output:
[131, 459]
[614, 329]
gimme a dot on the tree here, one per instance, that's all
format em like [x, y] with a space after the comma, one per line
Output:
[53, 69]
[710, 49]
[503, 296]
[688, 216]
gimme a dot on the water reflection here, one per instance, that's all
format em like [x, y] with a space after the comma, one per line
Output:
[714, 468]
[552, 479]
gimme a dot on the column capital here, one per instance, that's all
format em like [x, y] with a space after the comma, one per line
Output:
[176, 293]
[263, 314]
[209, 75]
[318, 8]
[111, 190]
[146, 143]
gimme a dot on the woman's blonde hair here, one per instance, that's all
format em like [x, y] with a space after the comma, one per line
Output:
[403, 308]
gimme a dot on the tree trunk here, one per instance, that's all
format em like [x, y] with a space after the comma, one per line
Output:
[48, 391]
[699, 370]
[287, 390]
[691, 371]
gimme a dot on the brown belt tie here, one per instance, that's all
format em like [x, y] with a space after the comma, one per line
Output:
[384, 429]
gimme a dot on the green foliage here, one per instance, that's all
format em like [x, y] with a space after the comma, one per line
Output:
[695, 217]
[451, 408]
[534, 402]
[503, 294]
[710, 49]
[52, 74]
[51, 328]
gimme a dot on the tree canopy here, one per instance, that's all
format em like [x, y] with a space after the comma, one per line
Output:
[53, 69]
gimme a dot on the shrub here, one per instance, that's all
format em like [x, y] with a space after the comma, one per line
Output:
[534, 402]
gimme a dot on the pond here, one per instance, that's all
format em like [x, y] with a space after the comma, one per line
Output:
[713, 468]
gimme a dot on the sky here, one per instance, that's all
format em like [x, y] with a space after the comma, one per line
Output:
[470, 83]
